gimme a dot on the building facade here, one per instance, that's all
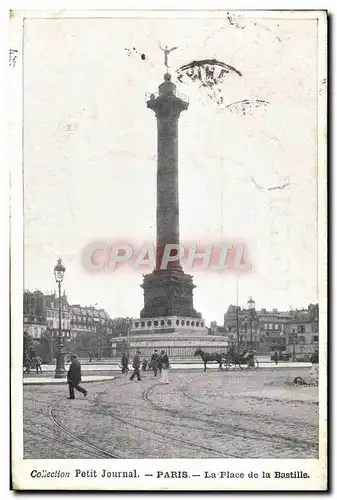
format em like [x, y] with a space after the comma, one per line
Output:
[52, 314]
[41, 313]
[246, 320]
[89, 319]
[302, 331]
[293, 330]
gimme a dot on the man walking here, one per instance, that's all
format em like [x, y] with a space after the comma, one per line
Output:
[74, 377]
[276, 356]
[27, 364]
[154, 362]
[136, 366]
[38, 361]
[125, 363]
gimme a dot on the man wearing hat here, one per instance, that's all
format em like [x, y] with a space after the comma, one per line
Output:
[136, 366]
[155, 362]
[74, 377]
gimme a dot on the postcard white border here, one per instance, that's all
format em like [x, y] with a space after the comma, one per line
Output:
[21, 469]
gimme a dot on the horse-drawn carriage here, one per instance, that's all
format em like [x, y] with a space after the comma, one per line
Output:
[244, 360]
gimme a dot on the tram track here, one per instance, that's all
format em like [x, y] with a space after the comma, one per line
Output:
[165, 435]
[103, 453]
[261, 418]
[229, 429]
[205, 426]
[48, 409]
[63, 442]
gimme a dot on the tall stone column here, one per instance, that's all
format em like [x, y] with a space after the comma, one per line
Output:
[169, 291]
[167, 107]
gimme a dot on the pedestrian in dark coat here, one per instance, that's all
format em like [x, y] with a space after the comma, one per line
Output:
[136, 366]
[125, 363]
[154, 362]
[27, 364]
[276, 357]
[74, 377]
[38, 362]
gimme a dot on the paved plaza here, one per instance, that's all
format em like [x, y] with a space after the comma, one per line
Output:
[238, 414]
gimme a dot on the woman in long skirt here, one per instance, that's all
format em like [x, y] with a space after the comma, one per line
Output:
[165, 364]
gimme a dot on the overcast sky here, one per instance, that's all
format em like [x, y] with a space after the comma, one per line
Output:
[90, 155]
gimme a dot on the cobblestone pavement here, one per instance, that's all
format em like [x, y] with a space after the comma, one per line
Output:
[239, 414]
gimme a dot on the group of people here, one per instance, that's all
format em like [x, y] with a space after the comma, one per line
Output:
[28, 363]
[159, 363]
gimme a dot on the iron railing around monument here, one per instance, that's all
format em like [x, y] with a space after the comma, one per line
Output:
[153, 95]
[181, 352]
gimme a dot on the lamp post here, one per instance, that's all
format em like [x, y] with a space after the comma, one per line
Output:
[128, 328]
[128, 334]
[251, 308]
[59, 271]
[237, 315]
[294, 344]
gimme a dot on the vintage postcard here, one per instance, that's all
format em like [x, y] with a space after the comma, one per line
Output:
[168, 250]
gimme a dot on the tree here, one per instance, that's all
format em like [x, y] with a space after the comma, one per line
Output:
[46, 347]
[120, 327]
[27, 344]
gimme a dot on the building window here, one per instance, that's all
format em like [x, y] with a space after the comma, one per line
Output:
[187, 323]
[192, 324]
[182, 322]
[270, 326]
[177, 322]
[314, 328]
[201, 324]
[276, 326]
[266, 326]
[136, 324]
[301, 339]
[162, 322]
[155, 323]
[315, 338]
[143, 323]
[197, 323]
[149, 323]
[169, 322]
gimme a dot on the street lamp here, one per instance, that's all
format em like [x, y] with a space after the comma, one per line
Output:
[128, 322]
[59, 271]
[251, 308]
[294, 344]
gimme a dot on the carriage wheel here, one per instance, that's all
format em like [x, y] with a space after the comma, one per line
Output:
[226, 365]
[254, 365]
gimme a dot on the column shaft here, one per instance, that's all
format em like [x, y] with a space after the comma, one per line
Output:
[167, 186]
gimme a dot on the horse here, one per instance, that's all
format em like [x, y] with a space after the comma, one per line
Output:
[206, 356]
